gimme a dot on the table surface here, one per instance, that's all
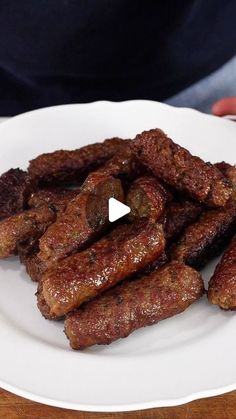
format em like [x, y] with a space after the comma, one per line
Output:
[222, 407]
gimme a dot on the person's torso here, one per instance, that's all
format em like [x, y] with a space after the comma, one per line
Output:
[61, 51]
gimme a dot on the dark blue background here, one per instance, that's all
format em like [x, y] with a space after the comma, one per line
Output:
[62, 51]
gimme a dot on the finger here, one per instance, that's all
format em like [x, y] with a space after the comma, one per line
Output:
[225, 106]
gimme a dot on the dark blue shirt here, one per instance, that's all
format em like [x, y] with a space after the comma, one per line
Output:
[63, 51]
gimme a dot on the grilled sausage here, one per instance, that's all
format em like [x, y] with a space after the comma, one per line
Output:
[23, 226]
[178, 168]
[146, 198]
[160, 261]
[85, 217]
[206, 237]
[123, 164]
[28, 253]
[222, 285]
[213, 230]
[80, 277]
[178, 215]
[57, 197]
[15, 187]
[132, 305]
[65, 166]
[229, 172]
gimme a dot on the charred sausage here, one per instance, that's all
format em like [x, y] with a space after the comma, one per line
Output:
[206, 237]
[179, 168]
[59, 198]
[178, 215]
[146, 198]
[28, 253]
[85, 217]
[222, 285]
[23, 226]
[65, 166]
[132, 305]
[126, 250]
[15, 188]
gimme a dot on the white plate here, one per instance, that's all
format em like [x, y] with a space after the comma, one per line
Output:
[189, 356]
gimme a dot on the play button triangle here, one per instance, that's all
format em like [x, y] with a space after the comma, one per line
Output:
[117, 209]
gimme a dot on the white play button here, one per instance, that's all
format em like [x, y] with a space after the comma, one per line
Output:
[117, 209]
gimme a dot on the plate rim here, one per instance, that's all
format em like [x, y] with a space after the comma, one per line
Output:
[121, 407]
[110, 102]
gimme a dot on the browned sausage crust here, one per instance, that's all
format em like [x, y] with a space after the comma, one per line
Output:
[206, 237]
[177, 167]
[15, 187]
[160, 261]
[35, 268]
[178, 215]
[146, 198]
[23, 226]
[123, 164]
[132, 305]
[57, 197]
[228, 170]
[222, 285]
[28, 253]
[80, 277]
[84, 218]
[69, 165]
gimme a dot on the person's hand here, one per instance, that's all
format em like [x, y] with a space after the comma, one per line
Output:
[225, 106]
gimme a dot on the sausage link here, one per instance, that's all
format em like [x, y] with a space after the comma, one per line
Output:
[211, 232]
[206, 237]
[178, 215]
[28, 254]
[85, 217]
[23, 226]
[123, 164]
[222, 285]
[15, 187]
[180, 169]
[126, 250]
[58, 198]
[132, 305]
[229, 172]
[63, 166]
[146, 198]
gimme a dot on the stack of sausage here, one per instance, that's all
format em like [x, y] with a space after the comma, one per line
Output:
[108, 279]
